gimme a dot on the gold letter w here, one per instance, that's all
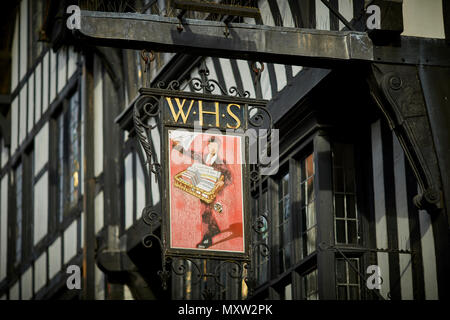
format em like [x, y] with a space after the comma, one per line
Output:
[180, 109]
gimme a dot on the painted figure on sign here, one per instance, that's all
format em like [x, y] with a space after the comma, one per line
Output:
[211, 159]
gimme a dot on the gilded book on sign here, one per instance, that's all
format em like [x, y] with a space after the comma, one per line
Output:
[201, 181]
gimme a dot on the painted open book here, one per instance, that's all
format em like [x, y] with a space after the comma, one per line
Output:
[200, 180]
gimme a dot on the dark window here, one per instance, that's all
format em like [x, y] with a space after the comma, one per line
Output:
[18, 174]
[347, 278]
[22, 213]
[284, 227]
[344, 187]
[308, 212]
[37, 9]
[75, 147]
[60, 167]
[68, 157]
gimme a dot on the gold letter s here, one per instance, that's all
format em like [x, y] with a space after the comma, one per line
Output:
[238, 121]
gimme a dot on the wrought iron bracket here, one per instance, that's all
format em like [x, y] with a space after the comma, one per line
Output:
[397, 91]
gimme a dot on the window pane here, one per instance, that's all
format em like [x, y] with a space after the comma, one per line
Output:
[342, 293]
[37, 13]
[350, 179]
[285, 185]
[310, 165]
[18, 187]
[304, 218]
[314, 296]
[351, 206]
[60, 167]
[310, 190]
[337, 155]
[351, 229]
[288, 254]
[345, 209]
[285, 258]
[338, 180]
[308, 218]
[286, 232]
[341, 273]
[347, 278]
[284, 225]
[286, 209]
[288, 292]
[68, 158]
[310, 285]
[353, 275]
[75, 152]
[311, 221]
[303, 171]
[354, 292]
[340, 231]
[311, 240]
[312, 281]
[339, 206]
[349, 160]
[303, 194]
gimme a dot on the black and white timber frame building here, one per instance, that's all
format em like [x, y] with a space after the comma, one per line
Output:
[364, 124]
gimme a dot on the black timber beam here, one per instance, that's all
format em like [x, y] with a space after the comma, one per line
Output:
[294, 46]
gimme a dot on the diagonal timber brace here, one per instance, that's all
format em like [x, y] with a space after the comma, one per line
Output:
[398, 93]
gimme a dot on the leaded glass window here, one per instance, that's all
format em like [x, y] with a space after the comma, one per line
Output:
[68, 162]
[74, 153]
[344, 189]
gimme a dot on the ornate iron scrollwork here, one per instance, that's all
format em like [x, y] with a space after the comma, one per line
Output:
[203, 84]
[150, 107]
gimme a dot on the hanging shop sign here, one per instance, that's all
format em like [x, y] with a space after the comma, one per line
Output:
[205, 176]
[204, 171]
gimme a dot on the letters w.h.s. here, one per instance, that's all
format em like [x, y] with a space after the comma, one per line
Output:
[207, 113]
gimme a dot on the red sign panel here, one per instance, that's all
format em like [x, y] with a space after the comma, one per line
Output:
[206, 191]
